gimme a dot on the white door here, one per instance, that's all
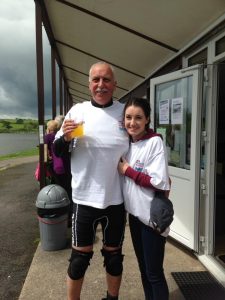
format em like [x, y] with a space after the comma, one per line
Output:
[176, 114]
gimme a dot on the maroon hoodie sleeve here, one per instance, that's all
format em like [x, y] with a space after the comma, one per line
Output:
[139, 178]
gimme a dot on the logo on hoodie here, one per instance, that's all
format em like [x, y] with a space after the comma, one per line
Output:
[138, 166]
[121, 126]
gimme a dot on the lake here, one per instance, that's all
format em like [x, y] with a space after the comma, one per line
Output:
[16, 142]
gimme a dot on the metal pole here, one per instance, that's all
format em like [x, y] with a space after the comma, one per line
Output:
[40, 90]
[60, 92]
[53, 83]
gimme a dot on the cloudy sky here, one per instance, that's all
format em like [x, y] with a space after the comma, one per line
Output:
[18, 87]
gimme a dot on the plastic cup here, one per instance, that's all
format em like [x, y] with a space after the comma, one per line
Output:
[78, 131]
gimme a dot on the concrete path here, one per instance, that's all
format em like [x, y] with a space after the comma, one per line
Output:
[46, 278]
[12, 162]
[47, 275]
[19, 232]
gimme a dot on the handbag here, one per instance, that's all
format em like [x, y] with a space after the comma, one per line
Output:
[37, 172]
[161, 212]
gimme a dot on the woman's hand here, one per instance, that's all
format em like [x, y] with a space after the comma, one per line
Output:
[122, 166]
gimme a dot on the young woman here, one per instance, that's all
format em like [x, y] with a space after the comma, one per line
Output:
[145, 170]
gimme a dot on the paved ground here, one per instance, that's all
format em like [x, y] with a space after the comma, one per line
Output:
[19, 227]
[46, 279]
[21, 250]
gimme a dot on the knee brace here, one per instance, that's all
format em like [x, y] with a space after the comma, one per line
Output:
[113, 261]
[79, 262]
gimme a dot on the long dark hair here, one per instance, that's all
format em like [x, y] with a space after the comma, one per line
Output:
[142, 103]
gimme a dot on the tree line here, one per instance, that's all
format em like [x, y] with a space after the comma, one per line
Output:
[18, 125]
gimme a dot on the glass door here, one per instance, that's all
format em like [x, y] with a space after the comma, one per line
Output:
[176, 103]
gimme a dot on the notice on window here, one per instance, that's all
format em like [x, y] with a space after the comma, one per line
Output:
[177, 111]
[164, 111]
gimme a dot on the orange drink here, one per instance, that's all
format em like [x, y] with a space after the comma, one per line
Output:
[78, 131]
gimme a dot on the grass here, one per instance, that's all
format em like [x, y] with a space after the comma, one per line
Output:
[18, 125]
[24, 153]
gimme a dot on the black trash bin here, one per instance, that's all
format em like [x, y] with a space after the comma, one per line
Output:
[53, 210]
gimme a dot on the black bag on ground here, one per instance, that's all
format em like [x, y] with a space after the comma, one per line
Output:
[161, 213]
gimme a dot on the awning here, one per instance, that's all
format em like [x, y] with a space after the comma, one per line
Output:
[136, 37]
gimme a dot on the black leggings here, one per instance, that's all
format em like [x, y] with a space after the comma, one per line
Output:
[149, 248]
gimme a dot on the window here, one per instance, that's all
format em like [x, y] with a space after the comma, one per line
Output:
[220, 46]
[199, 58]
[173, 119]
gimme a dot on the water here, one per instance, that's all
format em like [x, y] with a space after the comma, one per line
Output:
[16, 142]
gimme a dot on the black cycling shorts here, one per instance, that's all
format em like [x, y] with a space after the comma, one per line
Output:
[85, 220]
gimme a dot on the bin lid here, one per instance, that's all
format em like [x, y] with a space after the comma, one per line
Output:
[52, 196]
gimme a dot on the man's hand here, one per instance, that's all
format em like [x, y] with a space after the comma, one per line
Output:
[68, 126]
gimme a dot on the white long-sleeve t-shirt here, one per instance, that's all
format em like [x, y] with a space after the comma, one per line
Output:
[149, 157]
[95, 178]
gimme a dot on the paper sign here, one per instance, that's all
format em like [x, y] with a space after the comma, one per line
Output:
[177, 111]
[164, 111]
